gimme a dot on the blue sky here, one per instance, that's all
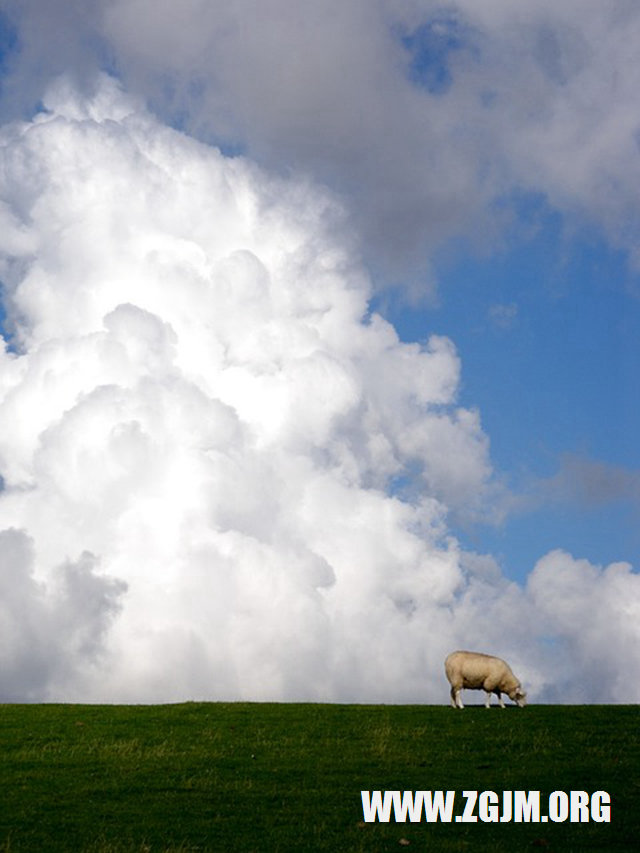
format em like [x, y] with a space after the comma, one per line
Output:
[214, 461]
[547, 331]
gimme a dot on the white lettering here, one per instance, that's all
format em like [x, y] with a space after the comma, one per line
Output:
[601, 807]
[468, 815]
[519, 806]
[558, 806]
[506, 807]
[407, 803]
[488, 807]
[579, 807]
[373, 806]
[436, 805]
[526, 806]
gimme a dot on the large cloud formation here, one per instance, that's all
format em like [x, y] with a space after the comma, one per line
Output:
[222, 476]
[429, 117]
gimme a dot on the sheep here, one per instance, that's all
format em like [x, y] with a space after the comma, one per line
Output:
[476, 671]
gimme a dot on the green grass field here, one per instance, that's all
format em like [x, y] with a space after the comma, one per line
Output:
[287, 777]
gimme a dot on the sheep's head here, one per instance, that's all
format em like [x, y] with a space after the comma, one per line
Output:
[519, 697]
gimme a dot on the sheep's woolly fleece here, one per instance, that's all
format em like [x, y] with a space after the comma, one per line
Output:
[223, 477]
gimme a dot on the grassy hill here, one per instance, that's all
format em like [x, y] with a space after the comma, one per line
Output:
[287, 777]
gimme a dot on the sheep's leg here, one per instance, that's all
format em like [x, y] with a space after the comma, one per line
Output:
[500, 699]
[487, 701]
[456, 698]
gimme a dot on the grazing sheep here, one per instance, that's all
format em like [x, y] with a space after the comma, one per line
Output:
[475, 671]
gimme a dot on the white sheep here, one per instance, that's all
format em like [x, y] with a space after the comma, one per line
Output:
[475, 671]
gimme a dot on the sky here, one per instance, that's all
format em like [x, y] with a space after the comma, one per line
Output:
[320, 355]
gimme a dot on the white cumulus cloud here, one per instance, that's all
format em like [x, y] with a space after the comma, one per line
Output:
[426, 117]
[204, 439]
